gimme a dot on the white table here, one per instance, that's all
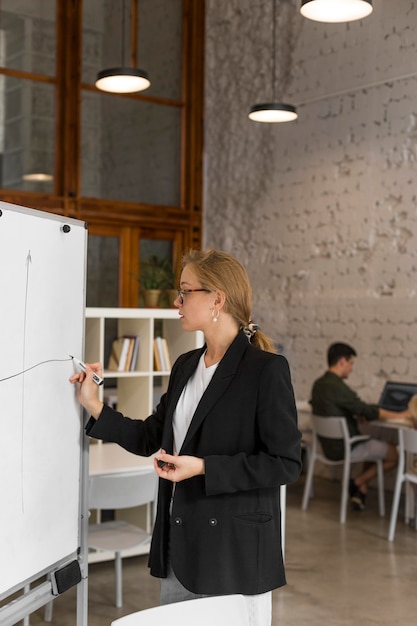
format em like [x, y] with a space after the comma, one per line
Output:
[110, 458]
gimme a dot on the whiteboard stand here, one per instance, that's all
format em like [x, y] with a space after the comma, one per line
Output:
[82, 588]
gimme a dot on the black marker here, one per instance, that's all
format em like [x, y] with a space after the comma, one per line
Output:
[163, 464]
[81, 366]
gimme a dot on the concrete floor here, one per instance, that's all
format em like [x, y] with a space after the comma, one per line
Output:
[336, 575]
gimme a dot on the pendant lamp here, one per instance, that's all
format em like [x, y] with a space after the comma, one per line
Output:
[38, 177]
[336, 10]
[273, 112]
[125, 79]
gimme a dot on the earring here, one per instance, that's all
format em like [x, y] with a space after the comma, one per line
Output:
[215, 315]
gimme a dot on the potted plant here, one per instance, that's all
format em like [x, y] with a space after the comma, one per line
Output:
[156, 275]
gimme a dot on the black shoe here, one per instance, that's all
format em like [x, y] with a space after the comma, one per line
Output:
[352, 488]
[358, 500]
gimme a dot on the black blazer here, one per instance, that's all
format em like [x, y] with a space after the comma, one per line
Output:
[224, 532]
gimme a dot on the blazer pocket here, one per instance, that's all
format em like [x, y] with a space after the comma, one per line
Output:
[255, 518]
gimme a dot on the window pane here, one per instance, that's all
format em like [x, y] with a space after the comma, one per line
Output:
[161, 248]
[27, 134]
[130, 150]
[29, 32]
[107, 41]
[103, 271]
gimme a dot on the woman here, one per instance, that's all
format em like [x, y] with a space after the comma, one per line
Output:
[227, 433]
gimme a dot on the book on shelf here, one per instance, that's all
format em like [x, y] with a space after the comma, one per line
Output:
[117, 349]
[135, 354]
[129, 353]
[124, 354]
[161, 355]
[132, 353]
[156, 357]
[167, 358]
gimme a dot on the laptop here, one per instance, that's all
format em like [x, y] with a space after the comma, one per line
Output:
[396, 396]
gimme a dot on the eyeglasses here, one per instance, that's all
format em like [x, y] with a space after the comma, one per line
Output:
[184, 292]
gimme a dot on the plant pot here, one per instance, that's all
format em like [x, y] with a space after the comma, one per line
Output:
[151, 297]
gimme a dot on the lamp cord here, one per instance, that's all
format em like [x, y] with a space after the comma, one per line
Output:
[350, 90]
[123, 33]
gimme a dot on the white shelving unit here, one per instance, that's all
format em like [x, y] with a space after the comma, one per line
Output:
[136, 392]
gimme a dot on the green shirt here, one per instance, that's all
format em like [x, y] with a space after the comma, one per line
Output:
[331, 397]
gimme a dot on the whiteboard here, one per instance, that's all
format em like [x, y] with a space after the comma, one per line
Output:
[42, 291]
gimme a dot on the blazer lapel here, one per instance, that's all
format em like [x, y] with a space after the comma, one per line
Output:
[186, 371]
[221, 380]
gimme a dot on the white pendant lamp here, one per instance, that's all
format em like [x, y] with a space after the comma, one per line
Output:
[125, 79]
[273, 112]
[38, 177]
[122, 80]
[336, 10]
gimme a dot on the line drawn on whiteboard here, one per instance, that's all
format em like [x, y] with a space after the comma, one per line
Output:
[28, 264]
[33, 367]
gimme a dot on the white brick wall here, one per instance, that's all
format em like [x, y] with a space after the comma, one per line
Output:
[322, 211]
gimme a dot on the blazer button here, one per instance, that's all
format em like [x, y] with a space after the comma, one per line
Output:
[213, 521]
[177, 521]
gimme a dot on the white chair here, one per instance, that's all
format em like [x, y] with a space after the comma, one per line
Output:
[216, 610]
[407, 441]
[336, 428]
[120, 491]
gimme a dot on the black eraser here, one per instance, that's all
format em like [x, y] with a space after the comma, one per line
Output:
[65, 578]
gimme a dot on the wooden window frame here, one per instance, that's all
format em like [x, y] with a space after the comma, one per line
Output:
[183, 223]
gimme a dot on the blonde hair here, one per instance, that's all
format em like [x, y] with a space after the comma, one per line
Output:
[220, 271]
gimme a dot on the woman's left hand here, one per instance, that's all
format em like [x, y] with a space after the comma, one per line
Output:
[178, 467]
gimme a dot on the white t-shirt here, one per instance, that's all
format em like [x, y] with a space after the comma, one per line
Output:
[189, 399]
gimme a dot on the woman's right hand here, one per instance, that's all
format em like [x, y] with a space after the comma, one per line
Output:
[88, 389]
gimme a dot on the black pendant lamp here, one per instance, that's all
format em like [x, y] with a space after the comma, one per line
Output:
[125, 79]
[273, 112]
[336, 10]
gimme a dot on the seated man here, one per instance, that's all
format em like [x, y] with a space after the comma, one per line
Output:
[332, 397]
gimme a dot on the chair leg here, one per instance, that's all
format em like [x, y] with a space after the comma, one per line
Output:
[26, 621]
[118, 579]
[307, 447]
[397, 490]
[414, 504]
[47, 615]
[410, 503]
[345, 490]
[308, 484]
[381, 492]
[395, 505]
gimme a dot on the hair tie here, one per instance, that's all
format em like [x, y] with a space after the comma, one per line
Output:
[250, 329]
